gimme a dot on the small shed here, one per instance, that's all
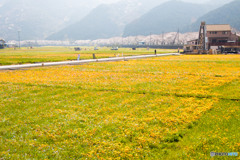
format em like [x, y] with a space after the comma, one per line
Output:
[10, 45]
[191, 48]
[141, 43]
[77, 49]
[114, 48]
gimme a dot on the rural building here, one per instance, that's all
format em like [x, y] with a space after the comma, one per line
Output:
[141, 43]
[2, 43]
[192, 42]
[221, 33]
[221, 36]
[10, 45]
[214, 37]
[192, 46]
[77, 49]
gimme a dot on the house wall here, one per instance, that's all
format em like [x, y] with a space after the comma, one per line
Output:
[234, 38]
[211, 34]
[220, 36]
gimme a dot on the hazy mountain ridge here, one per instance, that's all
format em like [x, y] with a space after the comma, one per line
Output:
[40, 18]
[72, 20]
[168, 16]
[227, 14]
[105, 21]
[116, 19]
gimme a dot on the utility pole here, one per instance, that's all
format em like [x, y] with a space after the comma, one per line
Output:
[136, 39]
[19, 38]
[150, 38]
[178, 35]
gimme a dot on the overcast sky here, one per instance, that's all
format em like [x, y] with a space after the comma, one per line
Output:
[196, 1]
[192, 1]
[94, 3]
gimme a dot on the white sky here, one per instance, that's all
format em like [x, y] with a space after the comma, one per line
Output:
[196, 1]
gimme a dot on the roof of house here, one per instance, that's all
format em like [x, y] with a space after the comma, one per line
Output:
[192, 40]
[218, 27]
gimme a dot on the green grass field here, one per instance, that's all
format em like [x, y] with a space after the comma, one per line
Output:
[178, 107]
[55, 54]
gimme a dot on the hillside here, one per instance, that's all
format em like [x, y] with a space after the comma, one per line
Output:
[39, 18]
[106, 20]
[227, 14]
[92, 26]
[168, 16]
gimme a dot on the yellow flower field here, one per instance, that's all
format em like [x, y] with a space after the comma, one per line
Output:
[119, 110]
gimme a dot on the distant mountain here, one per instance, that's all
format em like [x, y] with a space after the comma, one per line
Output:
[37, 19]
[168, 16]
[72, 19]
[92, 26]
[106, 20]
[227, 14]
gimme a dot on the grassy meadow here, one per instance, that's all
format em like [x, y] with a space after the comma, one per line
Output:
[54, 54]
[178, 107]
